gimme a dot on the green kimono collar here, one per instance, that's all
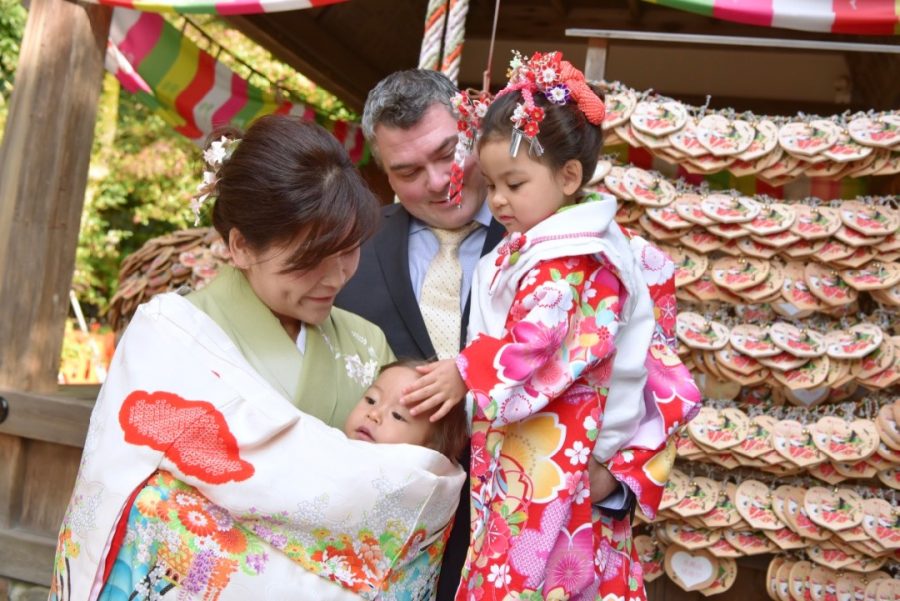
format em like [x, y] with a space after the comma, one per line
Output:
[230, 302]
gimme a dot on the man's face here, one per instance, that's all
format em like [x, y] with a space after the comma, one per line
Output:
[417, 162]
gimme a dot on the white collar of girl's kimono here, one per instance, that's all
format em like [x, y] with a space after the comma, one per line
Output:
[572, 231]
[587, 228]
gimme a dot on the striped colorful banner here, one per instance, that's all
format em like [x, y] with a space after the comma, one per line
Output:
[863, 17]
[194, 92]
[222, 7]
[800, 188]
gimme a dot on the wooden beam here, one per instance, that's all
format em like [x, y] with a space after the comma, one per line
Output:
[314, 53]
[52, 418]
[560, 6]
[43, 172]
[26, 556]
[868, 75]
[635, 10]
[655, 37]
[12, 469]
[595, 61]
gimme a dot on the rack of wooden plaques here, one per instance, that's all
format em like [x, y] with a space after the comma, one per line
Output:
[788, 318]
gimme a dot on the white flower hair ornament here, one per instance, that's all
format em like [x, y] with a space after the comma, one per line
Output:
[215, 156]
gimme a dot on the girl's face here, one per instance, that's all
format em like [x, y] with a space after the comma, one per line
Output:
[522, 191]
[379, 416]
[293, 296]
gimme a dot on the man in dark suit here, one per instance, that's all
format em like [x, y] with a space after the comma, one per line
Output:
[412, 132]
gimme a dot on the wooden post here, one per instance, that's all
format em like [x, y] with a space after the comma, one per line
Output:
[43, 172]
[595, 62]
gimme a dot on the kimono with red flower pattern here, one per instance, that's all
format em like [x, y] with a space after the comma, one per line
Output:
[541, 381]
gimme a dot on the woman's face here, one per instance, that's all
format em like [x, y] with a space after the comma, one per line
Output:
[293, 296]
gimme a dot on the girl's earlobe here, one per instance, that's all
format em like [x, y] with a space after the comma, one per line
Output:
[572, 173]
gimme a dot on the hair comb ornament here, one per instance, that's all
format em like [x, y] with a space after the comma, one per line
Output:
[469, 113]
[560, 83]
[215, 156]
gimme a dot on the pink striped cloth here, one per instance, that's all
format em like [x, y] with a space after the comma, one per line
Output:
[193, 91]
[862, 17]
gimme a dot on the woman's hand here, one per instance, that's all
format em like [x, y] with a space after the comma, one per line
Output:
[603, 483]
[439, 386]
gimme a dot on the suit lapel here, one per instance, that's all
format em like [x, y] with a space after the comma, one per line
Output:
[495, 234]
[393, 258]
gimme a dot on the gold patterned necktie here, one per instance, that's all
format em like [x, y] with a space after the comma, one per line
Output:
[440, 297]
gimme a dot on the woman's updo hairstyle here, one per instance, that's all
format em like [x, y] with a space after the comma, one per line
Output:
[565, 133]
[287, 177]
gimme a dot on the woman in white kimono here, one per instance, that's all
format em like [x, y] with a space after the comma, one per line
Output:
[210, 470]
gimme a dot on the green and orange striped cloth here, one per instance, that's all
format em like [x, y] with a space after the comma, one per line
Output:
[863, 17]
[193, 91]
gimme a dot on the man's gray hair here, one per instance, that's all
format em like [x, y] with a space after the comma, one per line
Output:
[402, 98]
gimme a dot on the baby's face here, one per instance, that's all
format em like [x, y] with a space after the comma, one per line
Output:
[379, 416]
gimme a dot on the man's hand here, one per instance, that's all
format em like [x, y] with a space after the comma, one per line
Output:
[603, 483]
[439, 386]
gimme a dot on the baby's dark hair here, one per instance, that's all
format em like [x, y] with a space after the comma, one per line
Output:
[565, 133]
[450, 434]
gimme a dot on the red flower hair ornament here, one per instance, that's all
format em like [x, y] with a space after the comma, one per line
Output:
[547, 74]
[560, 83]
[469, 113]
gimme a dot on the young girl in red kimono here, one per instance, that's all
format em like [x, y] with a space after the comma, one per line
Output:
[571, 357]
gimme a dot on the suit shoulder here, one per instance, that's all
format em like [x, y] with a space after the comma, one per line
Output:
[393, 211]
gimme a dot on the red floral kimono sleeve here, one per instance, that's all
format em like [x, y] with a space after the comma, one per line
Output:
[561, 327]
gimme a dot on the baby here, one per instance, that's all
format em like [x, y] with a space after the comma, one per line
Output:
[380, 417]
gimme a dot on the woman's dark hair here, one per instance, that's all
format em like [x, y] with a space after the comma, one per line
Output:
[450, 434]
[288, 177]
[565, 133]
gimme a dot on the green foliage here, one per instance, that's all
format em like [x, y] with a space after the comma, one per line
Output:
[12, 26]
[143, 173]
[141, 179]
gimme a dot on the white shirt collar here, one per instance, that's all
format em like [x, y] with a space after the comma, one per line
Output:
[301, 339]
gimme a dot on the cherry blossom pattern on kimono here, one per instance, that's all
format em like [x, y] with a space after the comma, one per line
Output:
[540, 391]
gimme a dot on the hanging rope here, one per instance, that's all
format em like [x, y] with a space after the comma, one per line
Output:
[486, 77]
[454, 37]
[435, 21]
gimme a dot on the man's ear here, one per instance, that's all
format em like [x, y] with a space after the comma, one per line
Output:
[240, 250]
[570, 175]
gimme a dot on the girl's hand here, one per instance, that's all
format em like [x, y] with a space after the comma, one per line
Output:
[439, 386]
[603, 483]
